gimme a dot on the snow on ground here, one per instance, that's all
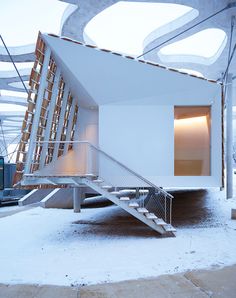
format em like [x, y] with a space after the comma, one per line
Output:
[52, 246]
[8, 209]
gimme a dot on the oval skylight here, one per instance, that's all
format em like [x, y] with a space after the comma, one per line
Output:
[5, 66]
[5, 107]
[20, 85]
[203, 47]
[21, 20]
[128, 27]
[12, 93]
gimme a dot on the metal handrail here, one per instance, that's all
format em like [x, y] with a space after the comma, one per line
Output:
[114, 160]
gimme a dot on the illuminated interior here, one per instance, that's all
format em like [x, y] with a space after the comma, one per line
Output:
[192, 141]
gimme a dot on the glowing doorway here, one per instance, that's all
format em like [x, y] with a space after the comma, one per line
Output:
[192, 141]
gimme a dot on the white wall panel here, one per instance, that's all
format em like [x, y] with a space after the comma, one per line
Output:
[141, 137]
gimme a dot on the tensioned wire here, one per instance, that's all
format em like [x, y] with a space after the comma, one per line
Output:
[230, 5]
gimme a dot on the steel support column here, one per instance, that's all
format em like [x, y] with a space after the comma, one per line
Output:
[229, 139]
[78, 197]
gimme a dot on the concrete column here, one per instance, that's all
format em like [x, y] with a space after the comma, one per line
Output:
[233, 213]
[78, 197]
[229, 139]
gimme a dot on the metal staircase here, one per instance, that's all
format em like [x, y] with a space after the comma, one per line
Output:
[137, 202]
[115, 181]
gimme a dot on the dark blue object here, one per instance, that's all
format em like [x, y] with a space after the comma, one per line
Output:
[1, 173]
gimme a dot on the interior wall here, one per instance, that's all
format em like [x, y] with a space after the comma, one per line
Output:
[75, 161]
[88, 125]
[192, 141]
[72, 163]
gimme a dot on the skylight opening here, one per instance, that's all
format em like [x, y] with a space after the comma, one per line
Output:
[13, 121]
[203, 47]
[20, 85]
[127, 27]
[8, 66]
[11, 107]
[21, 20]
[12, 93]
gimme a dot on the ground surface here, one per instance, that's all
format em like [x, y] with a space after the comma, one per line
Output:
[197, 284]
[59, 247]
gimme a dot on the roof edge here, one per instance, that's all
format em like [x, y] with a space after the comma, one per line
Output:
[131, 57]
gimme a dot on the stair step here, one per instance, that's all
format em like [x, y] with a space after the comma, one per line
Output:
[143, 191]
[160, 222]
[169, 228]
[142, 210]
[90, 175]
[116, 193]
[133, 204]
[131, 191]
[151, 216]
[98, 181]
[106, 187]
[124, 198]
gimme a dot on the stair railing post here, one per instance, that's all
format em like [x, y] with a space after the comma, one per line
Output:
[89, 161]
[165, 207]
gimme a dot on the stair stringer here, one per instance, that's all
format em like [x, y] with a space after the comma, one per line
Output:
[121, 204]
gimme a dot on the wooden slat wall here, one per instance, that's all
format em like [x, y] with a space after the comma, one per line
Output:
[29, 115]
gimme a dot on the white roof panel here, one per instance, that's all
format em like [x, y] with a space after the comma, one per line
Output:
[97, 77]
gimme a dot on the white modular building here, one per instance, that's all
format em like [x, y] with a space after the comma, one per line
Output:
[123, 126]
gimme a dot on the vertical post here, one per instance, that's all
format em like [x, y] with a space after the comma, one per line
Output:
[89, 161]
[69, 127]
[165, 207]
[229, 139]
[50, 117]
[35, 124]
[1, 147]
[76, 135]
[78, 197]
[61, 121]
[4, 141]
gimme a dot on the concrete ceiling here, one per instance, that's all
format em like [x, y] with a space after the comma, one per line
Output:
[75, 20]
[87, 9]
